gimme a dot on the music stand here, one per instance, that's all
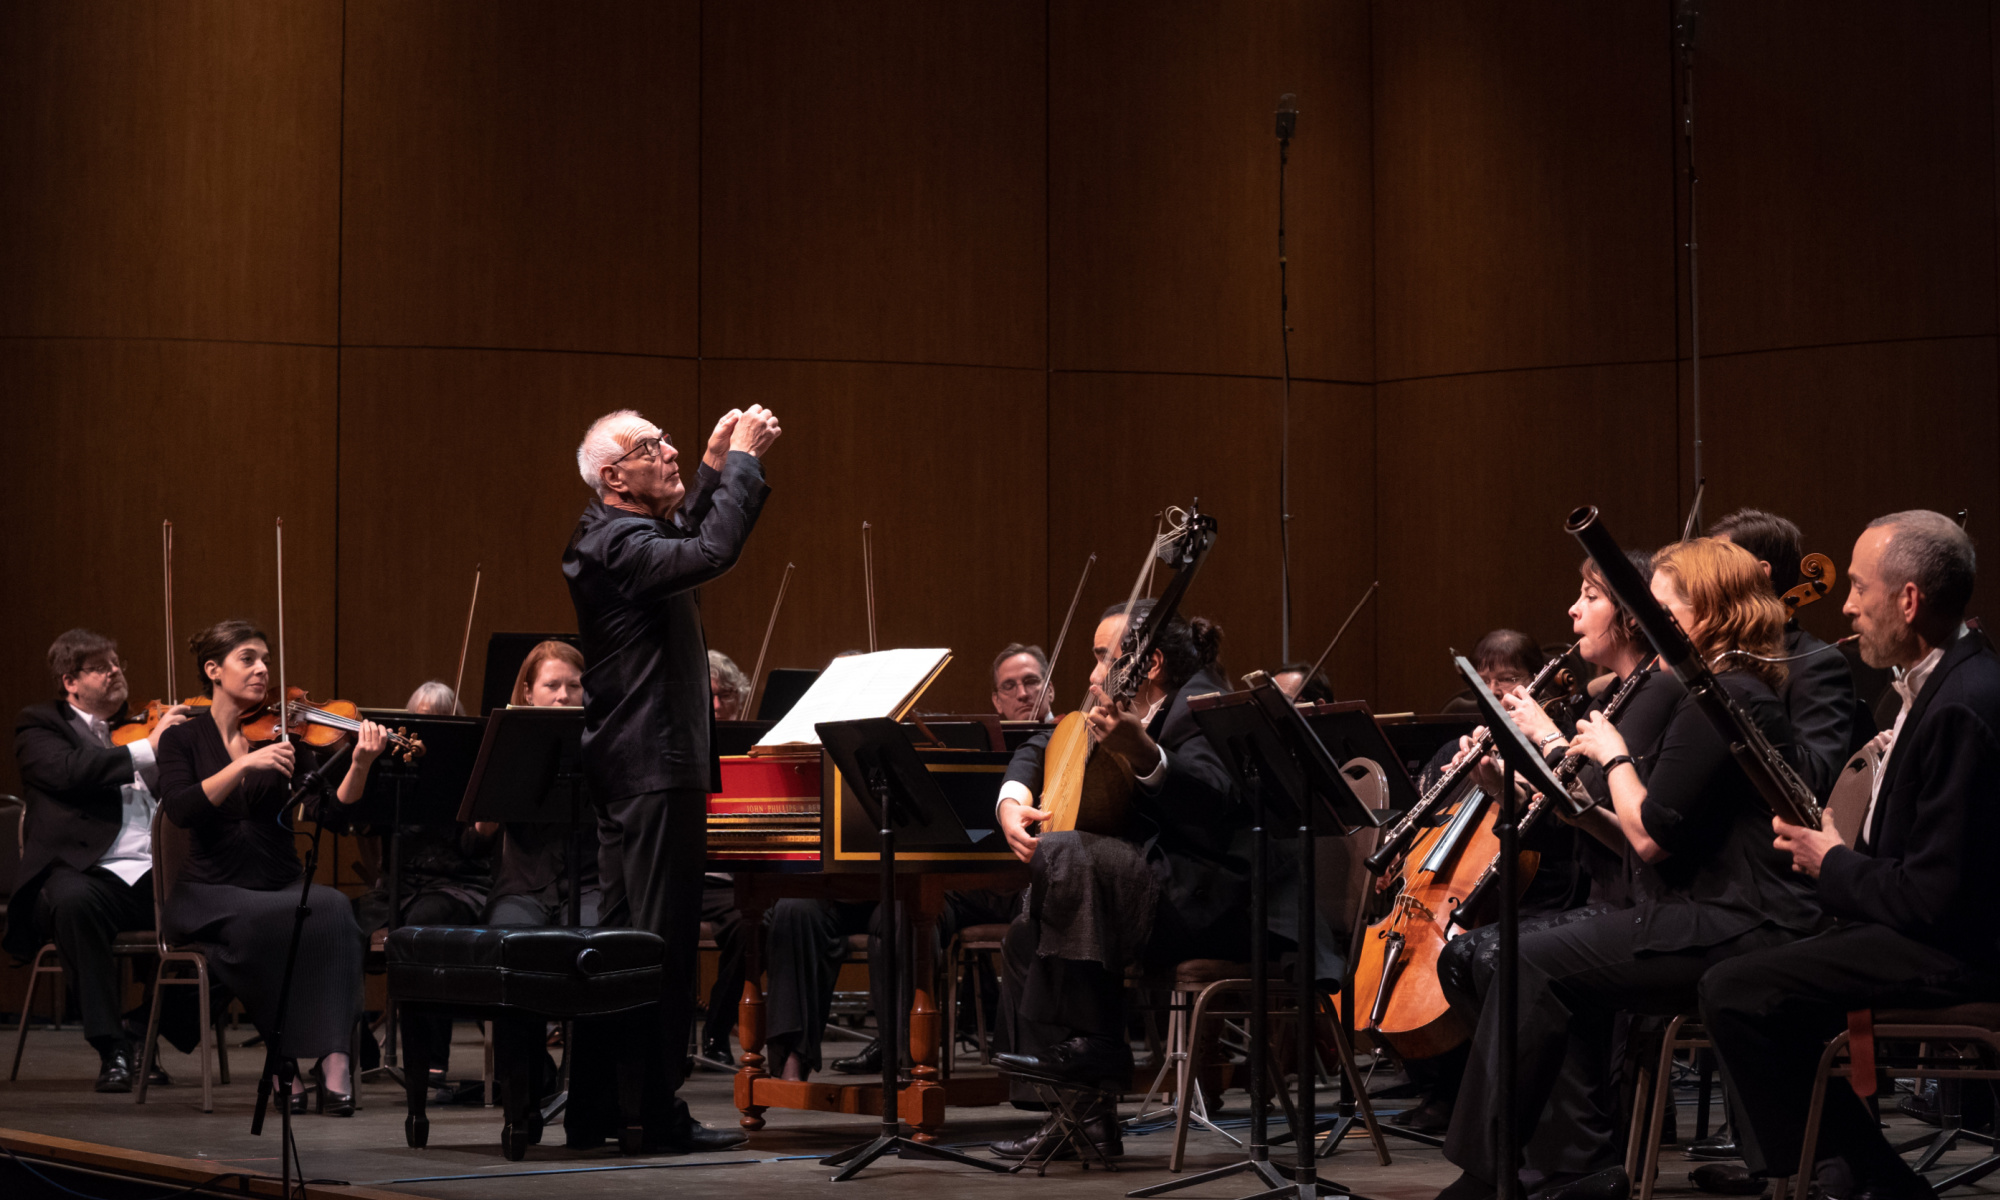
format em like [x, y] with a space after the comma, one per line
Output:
[401, 795]
[530, 770]
[1350, 731]
[782, 689]
[1276, 757]
[1517, 756]
[897, 792]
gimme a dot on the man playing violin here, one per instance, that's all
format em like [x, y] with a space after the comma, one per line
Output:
[1912, 899]
[87, 858]
[642, 548]
[1019, 675]
[1175, 887]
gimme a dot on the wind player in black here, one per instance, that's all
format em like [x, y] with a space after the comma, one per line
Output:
[1913, 901]
[1708, 885]
[1176, 887]
[1590, 1131]
[1829, 723]
[633, 566]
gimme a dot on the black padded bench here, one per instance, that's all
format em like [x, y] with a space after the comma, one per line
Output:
[520, 979]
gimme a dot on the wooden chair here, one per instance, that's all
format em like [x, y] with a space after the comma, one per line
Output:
[971, 951]
[169, 852]
[48, 960]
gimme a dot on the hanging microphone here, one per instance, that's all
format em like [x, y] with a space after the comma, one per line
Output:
[1687, 16]
[1288, 116]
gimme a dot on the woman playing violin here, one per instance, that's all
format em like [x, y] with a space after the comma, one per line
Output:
[234, 896]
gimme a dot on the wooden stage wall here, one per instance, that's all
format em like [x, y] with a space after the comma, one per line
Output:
[1008, 272]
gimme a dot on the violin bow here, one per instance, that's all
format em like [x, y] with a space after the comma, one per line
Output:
[868, 579]
[1049, 680]
[284, 697]
[757, 673]
[465, 643]
[167, 592]
[1321, 660]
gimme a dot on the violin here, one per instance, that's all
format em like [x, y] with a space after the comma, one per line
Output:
[1092, 792]
[142, 725]
[322, 724]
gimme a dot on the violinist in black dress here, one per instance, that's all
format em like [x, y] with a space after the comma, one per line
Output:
[238, 888]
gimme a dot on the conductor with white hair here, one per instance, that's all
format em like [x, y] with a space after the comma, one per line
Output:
[641, 550]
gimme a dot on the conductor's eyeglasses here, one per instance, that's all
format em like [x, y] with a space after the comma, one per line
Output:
[647, 449]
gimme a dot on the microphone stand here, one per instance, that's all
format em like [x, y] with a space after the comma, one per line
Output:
[1288, 121]
[276, 1063]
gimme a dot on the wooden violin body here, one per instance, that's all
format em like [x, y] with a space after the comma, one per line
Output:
[320, 724]
[1395, 979]
[143, 725]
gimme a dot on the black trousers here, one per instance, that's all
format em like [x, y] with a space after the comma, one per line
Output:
[1585, 1132]
[650, 852]
[83, 912]
[718, 908]
[1574, 980]
[1771, 1013]
[806, 941]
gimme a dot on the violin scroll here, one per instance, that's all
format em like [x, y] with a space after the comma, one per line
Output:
[1818, 574]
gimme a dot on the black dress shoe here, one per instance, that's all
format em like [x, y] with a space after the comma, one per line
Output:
[1103, 1131]
[696, 1138]
[157, 1076]
[867, 1062]
[1078, 1060]
[1726, 1179]
[1720, 1147]
[1610, 1184]
[328, 1101]
[1432, 1116]
[716, 1050]
[114, 1072]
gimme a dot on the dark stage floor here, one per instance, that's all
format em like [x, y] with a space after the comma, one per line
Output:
[463, 1159]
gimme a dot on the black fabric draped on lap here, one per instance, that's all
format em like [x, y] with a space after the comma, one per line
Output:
[234, 896]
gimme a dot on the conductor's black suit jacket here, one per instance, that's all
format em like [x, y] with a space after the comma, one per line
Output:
[632, 578]
[75, 808]
[1926, 872]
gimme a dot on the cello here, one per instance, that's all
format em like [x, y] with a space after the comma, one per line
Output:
[1396, 974]
[1091, 792]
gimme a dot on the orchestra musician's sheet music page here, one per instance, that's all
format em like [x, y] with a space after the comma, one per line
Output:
[886, 683]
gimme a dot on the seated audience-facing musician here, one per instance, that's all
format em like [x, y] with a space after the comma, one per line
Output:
[1829, 723]
[1708, 885]
[238, 890]
[85, 873]
[532, 884]
[444, 872]
[1303, 684]
[1020, 678]
[728, 688]
[1175, 887]
[1912, 900]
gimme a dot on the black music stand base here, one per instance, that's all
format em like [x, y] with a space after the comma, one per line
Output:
[873, 746]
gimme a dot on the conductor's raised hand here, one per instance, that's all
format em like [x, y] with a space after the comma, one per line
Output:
[1015, 819]
[756, 428]
[718, 442]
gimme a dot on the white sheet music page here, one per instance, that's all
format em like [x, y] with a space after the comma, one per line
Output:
[886, 683]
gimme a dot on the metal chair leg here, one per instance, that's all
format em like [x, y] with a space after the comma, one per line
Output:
[150, 1049]
[1663, 1095]
[207, 1032]
[28, 1004]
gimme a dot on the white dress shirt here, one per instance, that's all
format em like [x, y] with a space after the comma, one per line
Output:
[130, 855]
[1909, 687]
